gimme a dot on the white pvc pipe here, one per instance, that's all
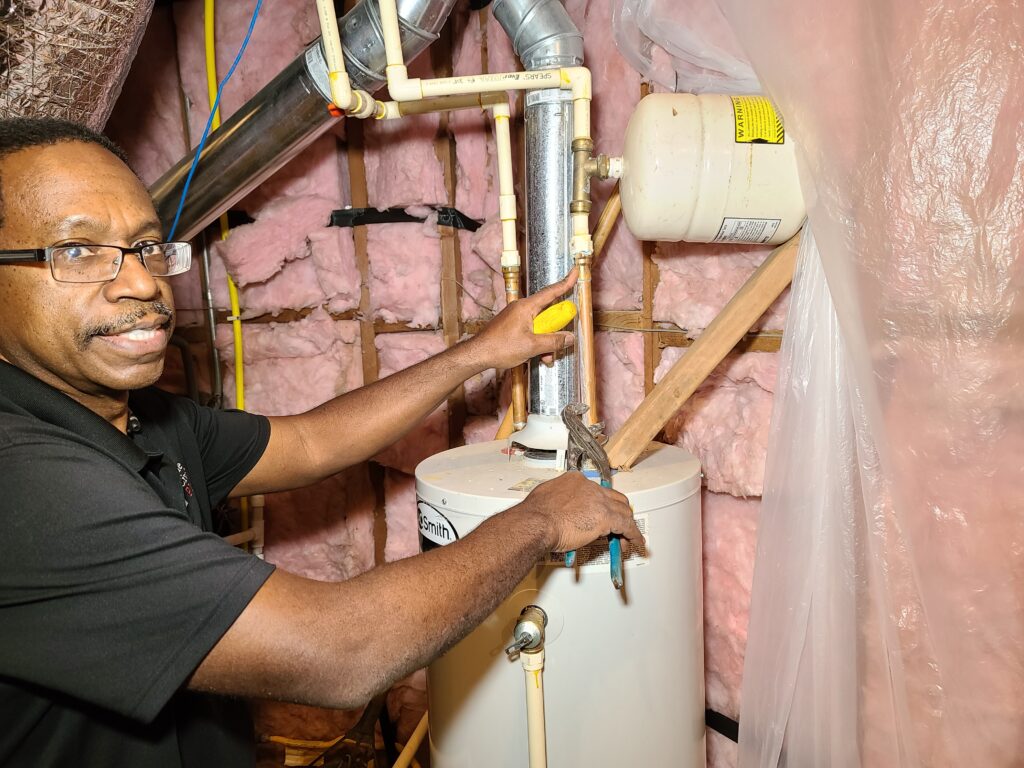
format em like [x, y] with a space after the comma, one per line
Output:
[392, 35]
[355, 102]
[533, 669]
[506, 187]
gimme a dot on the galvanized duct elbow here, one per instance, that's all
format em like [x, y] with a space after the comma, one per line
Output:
[67, 59]
[288, 114]
[545, 37]
[541, 31]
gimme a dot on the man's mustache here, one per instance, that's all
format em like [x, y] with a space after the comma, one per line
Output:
[127, 319]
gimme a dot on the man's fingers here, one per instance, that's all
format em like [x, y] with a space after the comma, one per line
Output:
[545, 296]
[632, 534]
[556, 342]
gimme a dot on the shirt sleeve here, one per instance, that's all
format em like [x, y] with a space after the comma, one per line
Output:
[230, 442]
[106, 594]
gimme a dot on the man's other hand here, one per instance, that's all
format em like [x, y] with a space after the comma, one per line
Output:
[576, 511]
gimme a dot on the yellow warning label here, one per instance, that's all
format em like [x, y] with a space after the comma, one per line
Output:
[756, 121]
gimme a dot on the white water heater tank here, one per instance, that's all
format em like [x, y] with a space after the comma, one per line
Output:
[710, 168]
[624, 670]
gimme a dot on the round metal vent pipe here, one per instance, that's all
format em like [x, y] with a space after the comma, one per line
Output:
[544, 37]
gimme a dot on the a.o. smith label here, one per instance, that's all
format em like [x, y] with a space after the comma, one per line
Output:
[436, 530]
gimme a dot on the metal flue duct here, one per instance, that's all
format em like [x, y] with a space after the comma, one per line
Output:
[545, 37]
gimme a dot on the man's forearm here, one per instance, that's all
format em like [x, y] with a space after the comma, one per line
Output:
[358, 425]
[419, 607]
[338, 644]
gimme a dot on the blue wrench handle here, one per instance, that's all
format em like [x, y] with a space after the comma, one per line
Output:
[615, 551]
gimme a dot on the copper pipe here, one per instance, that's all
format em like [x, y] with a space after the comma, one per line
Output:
[511, 275]
[585, 337]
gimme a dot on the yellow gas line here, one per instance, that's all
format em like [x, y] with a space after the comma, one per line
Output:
[209, 9]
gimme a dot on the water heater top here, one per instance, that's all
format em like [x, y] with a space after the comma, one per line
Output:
[484, 479]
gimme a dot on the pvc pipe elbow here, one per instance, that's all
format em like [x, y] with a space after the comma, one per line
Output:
[401, 87]
[578, 80]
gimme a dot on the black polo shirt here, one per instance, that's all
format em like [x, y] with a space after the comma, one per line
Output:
[112, 587]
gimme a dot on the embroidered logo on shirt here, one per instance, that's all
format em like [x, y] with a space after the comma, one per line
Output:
[186, 484]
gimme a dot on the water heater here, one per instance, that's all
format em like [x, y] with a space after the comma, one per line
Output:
[624, 670]
[710, 169]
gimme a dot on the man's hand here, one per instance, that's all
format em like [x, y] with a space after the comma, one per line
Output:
[576, 511]
[509, 339]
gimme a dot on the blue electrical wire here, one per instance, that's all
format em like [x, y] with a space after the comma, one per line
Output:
[209, 122]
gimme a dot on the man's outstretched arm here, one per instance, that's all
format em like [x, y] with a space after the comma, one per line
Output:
[338, 644]
[359, 424]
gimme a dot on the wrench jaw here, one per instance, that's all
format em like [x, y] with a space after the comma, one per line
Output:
[584, 448]
[584, 445]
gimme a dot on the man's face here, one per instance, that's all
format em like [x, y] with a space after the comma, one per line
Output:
[91, 339]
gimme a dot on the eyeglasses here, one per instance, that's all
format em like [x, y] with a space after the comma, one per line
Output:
[101, 263]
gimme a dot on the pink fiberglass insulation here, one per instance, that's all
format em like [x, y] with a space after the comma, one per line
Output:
[403, 537]
[730, 539]
[405, 274]
[254, 253]
[476, 192]
[480, 429]
[483, 287]
[722, 752]
[696, 280]
[292, 367]
[397, 351]
[282, 32]
[139, 121]
[323, 532]
[620, 376]
[618, 283]
[292, 211]
[403, 170]
[482, 393]
[725, 422]
[294, 287]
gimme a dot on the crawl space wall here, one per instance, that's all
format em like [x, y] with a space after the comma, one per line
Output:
[312, 332]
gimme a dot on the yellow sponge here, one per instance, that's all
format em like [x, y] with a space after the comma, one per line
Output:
[555, 317]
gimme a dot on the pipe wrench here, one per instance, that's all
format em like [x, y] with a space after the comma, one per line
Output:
[584, 447]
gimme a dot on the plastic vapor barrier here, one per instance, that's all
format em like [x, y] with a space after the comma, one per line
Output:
[67, 58]
[888, 600]
[683, 46]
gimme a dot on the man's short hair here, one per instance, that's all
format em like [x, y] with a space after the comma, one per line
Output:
[17, 133]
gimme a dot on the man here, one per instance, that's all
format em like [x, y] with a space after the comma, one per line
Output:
[126, 627]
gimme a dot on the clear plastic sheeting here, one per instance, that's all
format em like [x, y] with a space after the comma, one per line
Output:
[887, 626]
[683, 46]
[67, 58]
